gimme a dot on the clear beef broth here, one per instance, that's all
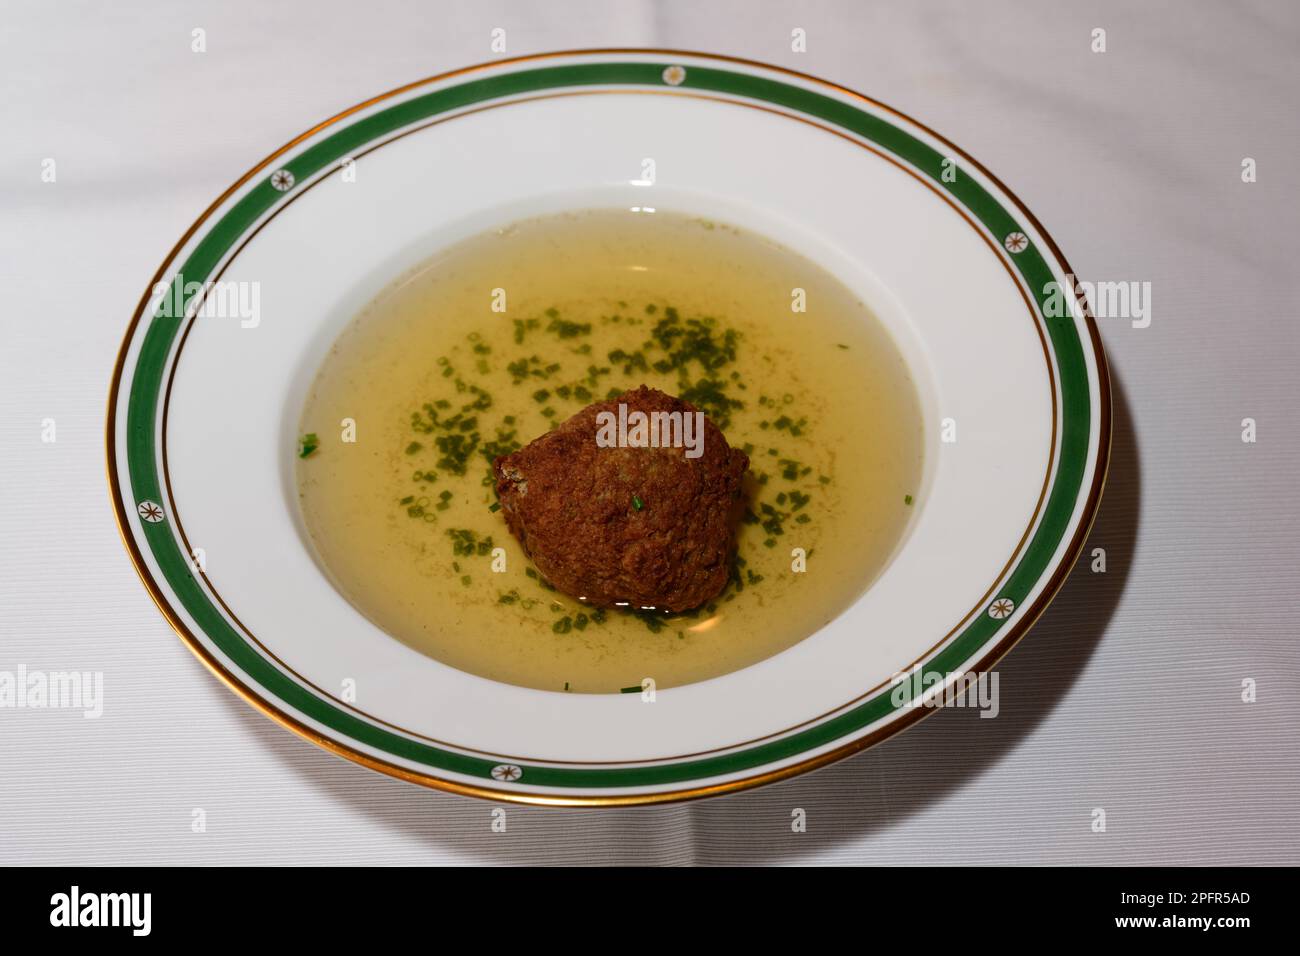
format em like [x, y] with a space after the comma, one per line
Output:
[503, 336]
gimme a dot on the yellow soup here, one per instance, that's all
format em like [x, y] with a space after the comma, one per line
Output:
[505, 335]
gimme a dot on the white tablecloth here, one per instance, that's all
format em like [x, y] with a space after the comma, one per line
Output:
[1126, 696]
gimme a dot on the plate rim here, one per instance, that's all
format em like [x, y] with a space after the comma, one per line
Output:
[903, 720]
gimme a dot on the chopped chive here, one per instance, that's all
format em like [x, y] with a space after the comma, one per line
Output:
[637, 503]
[307, 445]
[907, 499]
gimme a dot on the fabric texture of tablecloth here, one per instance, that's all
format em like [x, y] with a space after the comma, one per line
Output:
[1127, 696]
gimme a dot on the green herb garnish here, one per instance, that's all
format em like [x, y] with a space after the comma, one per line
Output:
[466, 543]
[307, 445]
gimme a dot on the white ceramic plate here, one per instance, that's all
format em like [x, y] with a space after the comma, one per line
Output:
[203, 412]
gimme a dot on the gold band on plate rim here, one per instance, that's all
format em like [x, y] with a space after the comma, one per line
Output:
[906, 719]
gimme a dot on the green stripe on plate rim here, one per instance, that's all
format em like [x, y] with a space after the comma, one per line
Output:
[148, 380]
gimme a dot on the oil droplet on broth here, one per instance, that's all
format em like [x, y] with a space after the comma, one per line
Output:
[440, 380]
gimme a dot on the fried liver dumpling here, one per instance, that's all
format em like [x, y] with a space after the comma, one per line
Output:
[625, 523]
